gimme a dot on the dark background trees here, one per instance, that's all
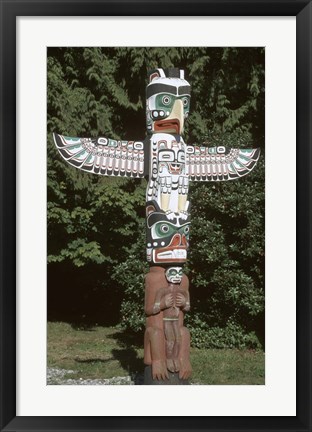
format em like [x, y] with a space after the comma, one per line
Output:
[96, 239]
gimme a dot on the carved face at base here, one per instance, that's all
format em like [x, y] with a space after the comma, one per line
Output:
[167, 101]
[174, 275]
[167, 239]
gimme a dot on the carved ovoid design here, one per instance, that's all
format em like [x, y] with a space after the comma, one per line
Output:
[169, 164]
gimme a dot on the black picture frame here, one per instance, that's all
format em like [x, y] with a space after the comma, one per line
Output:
[10, 9]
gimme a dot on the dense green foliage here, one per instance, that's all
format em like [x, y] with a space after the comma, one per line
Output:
[96, 240]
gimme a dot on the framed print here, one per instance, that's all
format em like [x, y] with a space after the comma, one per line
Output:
[116, 214]
[282, 29]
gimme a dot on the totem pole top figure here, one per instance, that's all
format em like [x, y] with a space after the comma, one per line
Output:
[167, 101]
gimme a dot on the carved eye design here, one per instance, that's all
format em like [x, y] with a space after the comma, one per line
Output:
[164, 228]
[185, 230]
[185, 102]
[166, 100]
[166, 156]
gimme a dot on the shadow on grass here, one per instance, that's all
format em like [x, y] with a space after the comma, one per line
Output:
[128, 338]
[127, 354]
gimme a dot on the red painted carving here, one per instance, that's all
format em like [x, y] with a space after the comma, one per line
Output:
[166, 341]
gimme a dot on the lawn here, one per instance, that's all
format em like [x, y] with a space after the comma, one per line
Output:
[106, 352]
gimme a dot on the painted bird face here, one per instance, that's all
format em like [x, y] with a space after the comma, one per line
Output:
[167, 101]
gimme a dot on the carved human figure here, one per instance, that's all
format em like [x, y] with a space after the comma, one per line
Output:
[177, 299]
[166, 341]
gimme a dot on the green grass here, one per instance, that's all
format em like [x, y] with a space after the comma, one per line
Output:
[105, 352]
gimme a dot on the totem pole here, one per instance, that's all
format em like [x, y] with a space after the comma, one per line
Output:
[169, 164]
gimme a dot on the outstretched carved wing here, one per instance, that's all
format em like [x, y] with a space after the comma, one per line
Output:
[103, 156]
[219, 163]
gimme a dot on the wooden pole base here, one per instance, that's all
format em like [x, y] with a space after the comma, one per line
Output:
[173, 378]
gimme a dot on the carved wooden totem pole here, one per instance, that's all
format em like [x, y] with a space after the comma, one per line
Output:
[169, 164]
